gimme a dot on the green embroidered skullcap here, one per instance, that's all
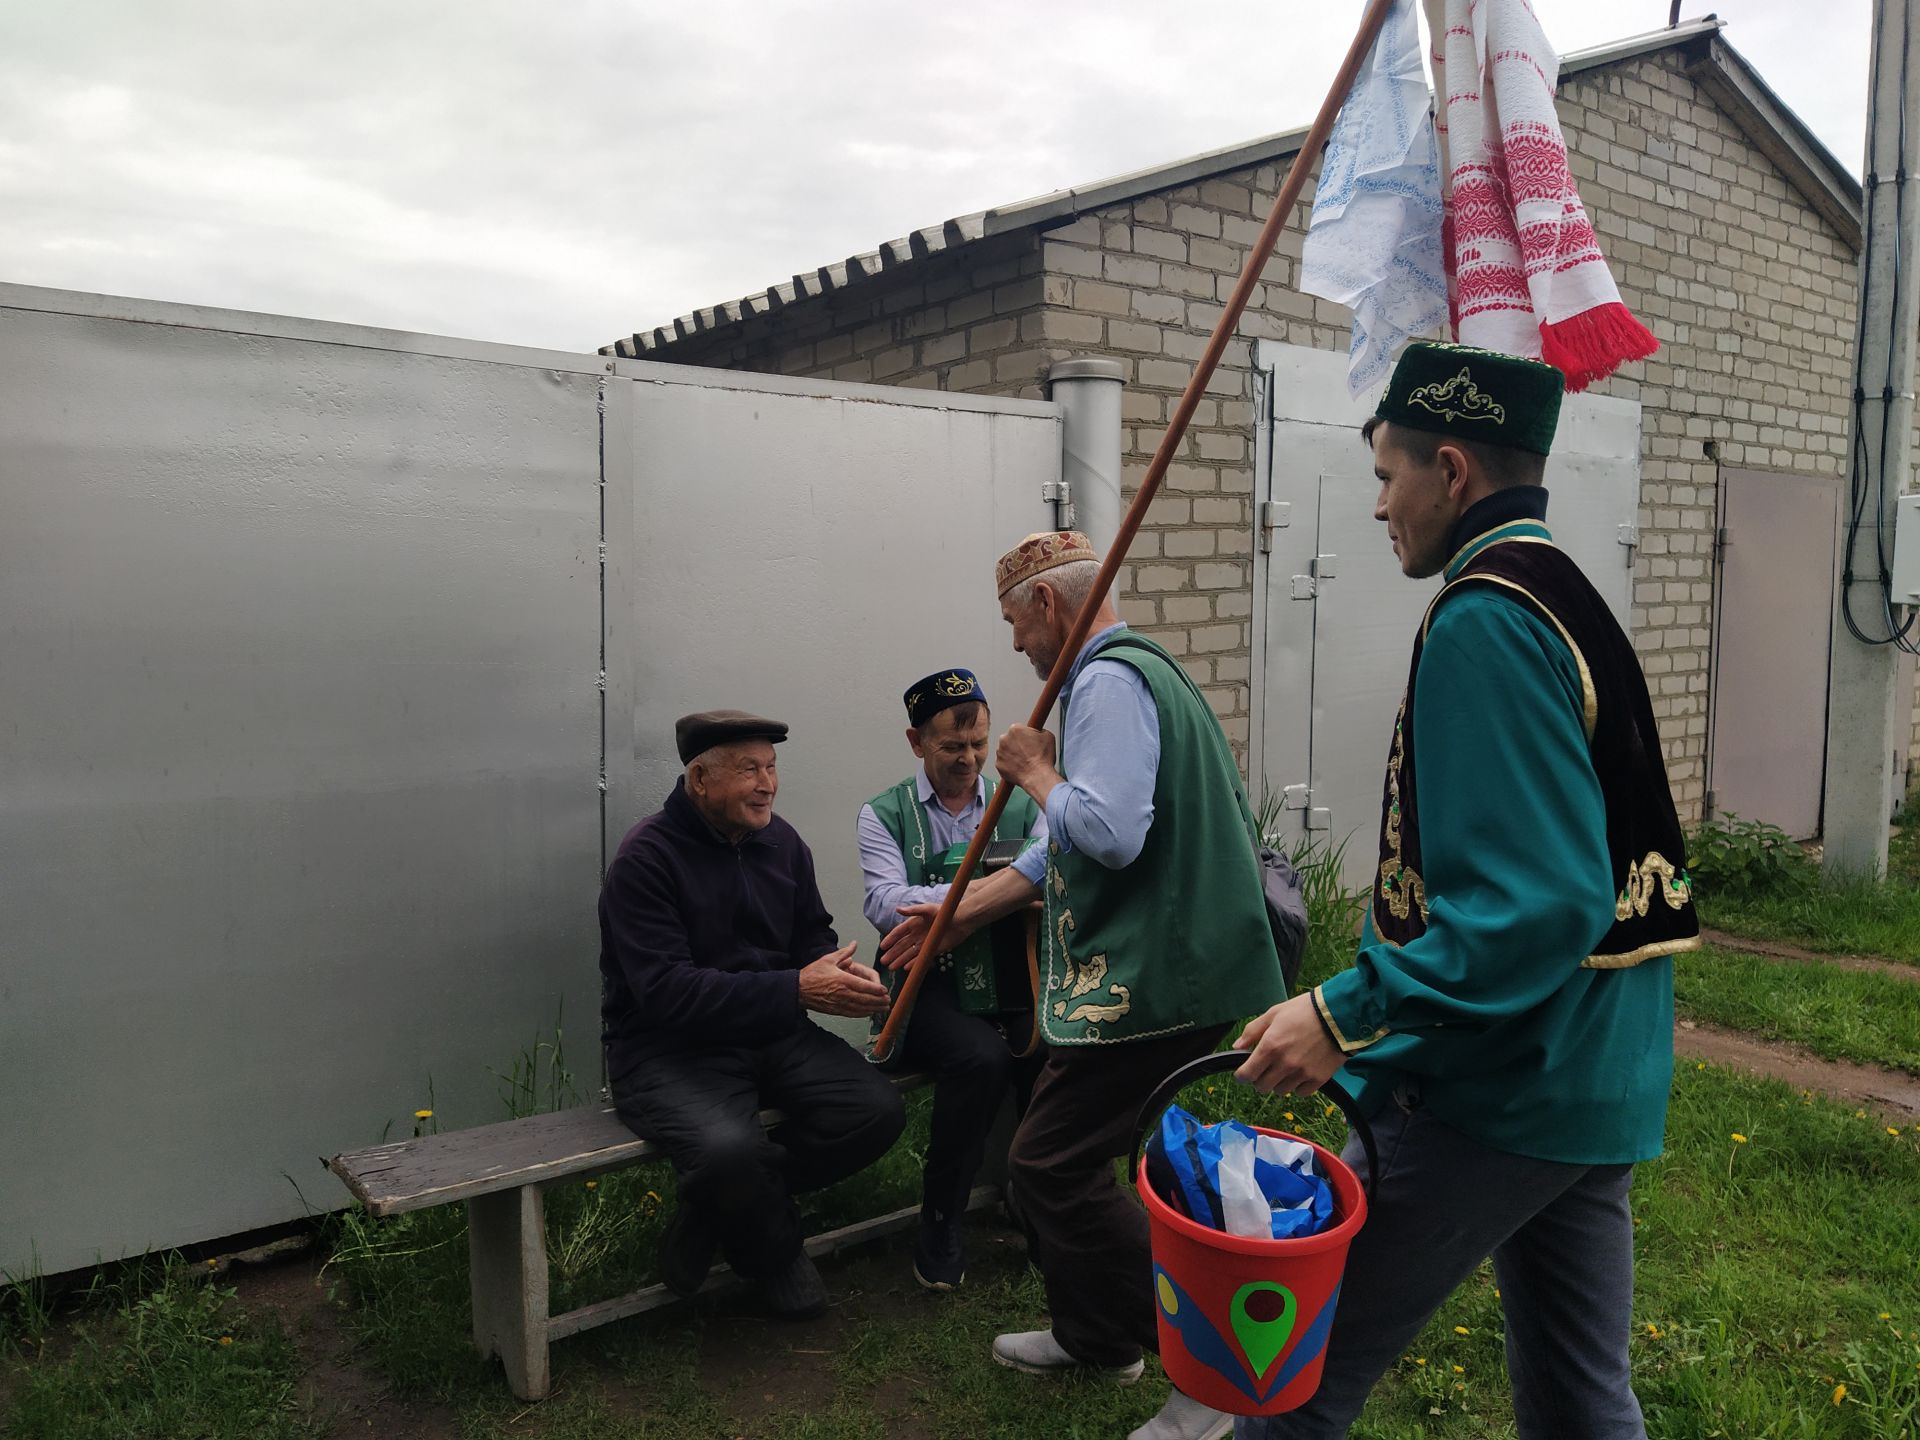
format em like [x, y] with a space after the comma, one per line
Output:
[1476, 395]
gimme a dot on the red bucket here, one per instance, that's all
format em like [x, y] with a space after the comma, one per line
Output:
[1244, 1322]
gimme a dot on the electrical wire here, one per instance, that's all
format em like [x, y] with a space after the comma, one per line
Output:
[1898, 632]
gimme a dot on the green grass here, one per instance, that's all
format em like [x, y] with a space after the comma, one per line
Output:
[1840, 1014]
[161, 1354]
[1765, 1267]
[1841, 917]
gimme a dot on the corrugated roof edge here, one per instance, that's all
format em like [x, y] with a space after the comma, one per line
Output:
[1712, 62]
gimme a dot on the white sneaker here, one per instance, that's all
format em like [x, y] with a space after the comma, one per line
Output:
[1184, 1419]
[1037, 1353]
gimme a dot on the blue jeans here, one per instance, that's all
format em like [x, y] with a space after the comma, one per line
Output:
[1561, 1238]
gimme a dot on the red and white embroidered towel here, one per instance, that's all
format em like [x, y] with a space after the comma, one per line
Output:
[1524, 267]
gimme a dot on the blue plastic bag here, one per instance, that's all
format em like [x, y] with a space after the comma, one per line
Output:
[1232, 1178]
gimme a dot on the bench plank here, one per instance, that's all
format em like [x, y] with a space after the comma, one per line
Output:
[414, 1174]
[432, 1170]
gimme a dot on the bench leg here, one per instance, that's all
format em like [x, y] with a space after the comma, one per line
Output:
[507, 1264]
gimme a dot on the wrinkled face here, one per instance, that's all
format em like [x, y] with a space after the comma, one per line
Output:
[1418, 502]
[733, 786]
[954, 754]
[1037, 633]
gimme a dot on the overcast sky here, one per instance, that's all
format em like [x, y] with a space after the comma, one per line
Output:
[559, 174]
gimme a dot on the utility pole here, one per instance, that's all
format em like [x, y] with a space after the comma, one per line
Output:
[1864, 712]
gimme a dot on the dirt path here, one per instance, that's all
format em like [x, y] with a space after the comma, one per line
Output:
[349, 1397]
[1885, 1090]
[1775, 950]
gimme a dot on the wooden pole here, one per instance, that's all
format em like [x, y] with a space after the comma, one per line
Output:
[1209, 361]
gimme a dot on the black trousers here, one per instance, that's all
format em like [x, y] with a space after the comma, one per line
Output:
[972, 1066]
[699, 1104]
[1090, 1234]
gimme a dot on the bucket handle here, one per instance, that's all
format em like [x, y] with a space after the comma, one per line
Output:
[1223, 1060]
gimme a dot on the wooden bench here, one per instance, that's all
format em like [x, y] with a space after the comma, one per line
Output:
[500, 1171]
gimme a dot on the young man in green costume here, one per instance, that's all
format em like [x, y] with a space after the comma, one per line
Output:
[1154, 941]
[1508, 1020]
[976, 1009]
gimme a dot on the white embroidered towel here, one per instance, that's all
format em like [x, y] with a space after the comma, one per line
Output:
[1374, 244]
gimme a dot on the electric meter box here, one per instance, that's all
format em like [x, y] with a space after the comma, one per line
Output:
[1906, 551]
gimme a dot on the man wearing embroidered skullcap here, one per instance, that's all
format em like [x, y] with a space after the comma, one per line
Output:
[715, 948]
[1508, 1021]
[976, 1009]
[1154, 941]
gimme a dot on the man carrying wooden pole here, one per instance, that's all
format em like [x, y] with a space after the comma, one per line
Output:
[1154, 941]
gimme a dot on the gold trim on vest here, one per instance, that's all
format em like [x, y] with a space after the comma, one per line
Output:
[1590, 698]
[1646, 952]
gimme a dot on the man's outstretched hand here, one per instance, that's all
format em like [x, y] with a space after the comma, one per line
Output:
[837, 984]
[903, 942]
[1292, 1051]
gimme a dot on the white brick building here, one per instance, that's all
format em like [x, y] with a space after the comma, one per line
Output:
[1733, 234]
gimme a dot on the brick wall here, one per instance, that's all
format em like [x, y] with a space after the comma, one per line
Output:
[1751, 293]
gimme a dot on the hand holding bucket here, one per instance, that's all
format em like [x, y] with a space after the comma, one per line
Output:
[1244, 1322]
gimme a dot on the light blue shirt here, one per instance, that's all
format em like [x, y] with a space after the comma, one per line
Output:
[885, 868]
[1110, 736]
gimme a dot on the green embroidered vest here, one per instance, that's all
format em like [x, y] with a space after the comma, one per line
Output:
[1179, 938]
[985, 966]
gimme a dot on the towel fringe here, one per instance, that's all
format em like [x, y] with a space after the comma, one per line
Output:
[1592, 345]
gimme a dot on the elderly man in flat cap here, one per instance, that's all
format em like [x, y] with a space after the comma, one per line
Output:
[714, 948]
[976, 1010]
[1508, 1020]
[1155, 940]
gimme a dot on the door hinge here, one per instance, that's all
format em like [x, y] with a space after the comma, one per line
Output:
[1296, 797]
[1722, 538]
[1274, 515]
[1319, 817]
[1324, 567]
[1304, 587]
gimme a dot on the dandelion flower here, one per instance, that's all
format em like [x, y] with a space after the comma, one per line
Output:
[1459, 1369]
[1496, 1292]
[423, 1114]
[1738, 1138]
[228, 1340]
[1859, 1114]
[1419, 1359]
[1892, 1131]
[213, 1264]
[1458, 1386]
[654, 1196]
[1461, 1330]
[1653, 1330]
[1209, 1089]
[1701, 1066]
[1333, 1109]
[593, 1184]
[1288, 1114]
[1839, 1393]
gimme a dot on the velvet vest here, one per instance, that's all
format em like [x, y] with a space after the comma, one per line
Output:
[1653, 910]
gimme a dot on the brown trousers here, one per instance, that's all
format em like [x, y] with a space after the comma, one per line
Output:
[1090, 1234]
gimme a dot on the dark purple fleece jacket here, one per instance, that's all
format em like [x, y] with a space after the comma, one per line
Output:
[701, 940]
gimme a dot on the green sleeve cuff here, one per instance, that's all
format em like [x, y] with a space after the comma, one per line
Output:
[1342, 1003]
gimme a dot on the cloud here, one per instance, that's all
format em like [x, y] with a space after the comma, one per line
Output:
[560, 174]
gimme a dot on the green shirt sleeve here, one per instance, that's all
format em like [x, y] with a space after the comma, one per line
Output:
[1512, 839]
